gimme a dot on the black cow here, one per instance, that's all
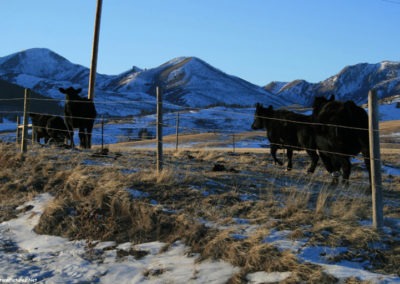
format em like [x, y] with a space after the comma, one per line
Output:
[288, 130]
[39, 122]
[341, 131]
[56, 129]
[49, 127]
[79, 113]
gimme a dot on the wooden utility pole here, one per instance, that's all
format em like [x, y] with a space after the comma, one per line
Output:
[93, 67]
[375, 158]
[25, 122]
[159, 131]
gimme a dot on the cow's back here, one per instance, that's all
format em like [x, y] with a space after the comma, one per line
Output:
[287, 127]
[338, 128]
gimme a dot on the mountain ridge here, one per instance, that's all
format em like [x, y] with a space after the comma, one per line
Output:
[189, 82]
[353, 82]
[185, 81]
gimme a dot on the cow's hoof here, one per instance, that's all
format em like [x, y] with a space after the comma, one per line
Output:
[335, 174]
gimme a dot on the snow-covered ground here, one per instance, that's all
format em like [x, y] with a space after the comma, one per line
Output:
[222, 120]
[28, 257]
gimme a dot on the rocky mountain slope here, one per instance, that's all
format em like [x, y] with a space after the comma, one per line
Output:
[351, 83]
[187, 82]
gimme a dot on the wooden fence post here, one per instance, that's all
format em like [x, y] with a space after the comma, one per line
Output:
[233, 142]
[102, 134]
[159, 131]
[375, 158]
[25, 122]
[18, 133]
[177, 132]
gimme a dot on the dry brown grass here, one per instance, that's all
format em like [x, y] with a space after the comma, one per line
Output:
[192, 202]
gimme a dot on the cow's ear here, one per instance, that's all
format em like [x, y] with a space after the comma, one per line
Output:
[332, 98]
[62, 90]
[78, 90]
[270, 107]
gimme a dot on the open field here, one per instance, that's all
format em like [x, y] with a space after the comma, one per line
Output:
[224, 205]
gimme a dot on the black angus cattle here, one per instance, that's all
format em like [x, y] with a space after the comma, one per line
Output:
[288, 130]
[51, 128]
[341, 131]
[79, 113]
[39, 122]
[56, 129]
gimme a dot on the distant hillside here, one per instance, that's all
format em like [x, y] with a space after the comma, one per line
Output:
[351, 83]
[12, 102]
[187, 82]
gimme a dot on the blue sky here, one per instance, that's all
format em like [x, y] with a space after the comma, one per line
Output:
[257, 40]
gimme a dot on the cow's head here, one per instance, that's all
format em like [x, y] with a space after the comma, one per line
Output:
[319, 103]
[260, 116]
[71, 93]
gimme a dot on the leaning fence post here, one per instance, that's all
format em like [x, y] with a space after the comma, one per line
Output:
[375, 160]
[159, 131]
[25, 122]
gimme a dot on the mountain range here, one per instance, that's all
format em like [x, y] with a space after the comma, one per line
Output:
[186, 82]
[351, 83]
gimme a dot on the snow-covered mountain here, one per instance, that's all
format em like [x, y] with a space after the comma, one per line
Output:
[351, 83]
[187, 82]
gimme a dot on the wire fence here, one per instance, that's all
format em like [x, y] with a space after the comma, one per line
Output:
[133, 128]
[221, 121]
[112, 130]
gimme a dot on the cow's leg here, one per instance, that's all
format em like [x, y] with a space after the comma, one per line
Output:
[289, 155]
[335, 178]
[367, 160]
[87, 140]
[37, 136]
[89, 136]
[82, 137]
[314, 160]
[67, 136]
[70, 130]
[333, 170]
[346, 168]
[71, 137]
[274, 149]
[327, 161]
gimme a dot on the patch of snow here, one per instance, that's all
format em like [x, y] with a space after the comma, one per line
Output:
[267, 277]
[391, 170]
[54, 259]
[7, 125]
[280, 240]
[137, 194]
[343, 272]
[389, 112]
